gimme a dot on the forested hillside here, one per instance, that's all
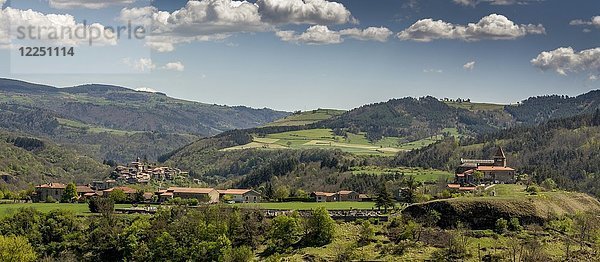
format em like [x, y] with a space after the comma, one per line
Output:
[25, 160]
[566, 150]
[116, 123]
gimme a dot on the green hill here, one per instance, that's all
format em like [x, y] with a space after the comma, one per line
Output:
[26, 160]
[482, 212]
[306, 118]
[116, 123]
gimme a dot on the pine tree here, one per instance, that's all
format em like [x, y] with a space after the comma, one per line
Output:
[383, 198]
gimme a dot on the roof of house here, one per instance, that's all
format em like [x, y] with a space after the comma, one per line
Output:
[494, 168]
[235, 191]
[467, 188]
[345, 192]
[454, 186]
[476, 161]
[84, 189]
[363, 196]
[126, 190]
[327, 194]
[90, 194]
[190, 190]
[167, 194]
[53, 186]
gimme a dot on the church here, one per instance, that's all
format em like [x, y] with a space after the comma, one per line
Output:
[495, 171]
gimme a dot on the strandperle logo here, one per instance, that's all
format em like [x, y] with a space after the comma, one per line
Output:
[92, 34]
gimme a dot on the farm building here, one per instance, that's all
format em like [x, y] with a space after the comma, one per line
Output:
[240, 195]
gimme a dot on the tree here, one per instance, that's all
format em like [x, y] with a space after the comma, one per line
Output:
[16, 248]
[383, 198]
[367, 233]
[320, 228]
[285, 231]
[410, 187]
[549, 184]
[101, 205]
[70, 194]
[501, 226]
[118, 196]
[479, 176]
[281, 192]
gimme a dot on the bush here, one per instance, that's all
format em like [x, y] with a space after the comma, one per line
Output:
[101, 205]
[501, 226]
[240, 254]
[514, 224]
[320, 228]
[366, 234]
[50, 199]
[534, 190]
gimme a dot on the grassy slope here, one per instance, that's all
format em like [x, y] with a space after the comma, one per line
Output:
[308, 117]
[312, 205]
[7, 208]
[476, 106]
[511, 201]
[353, 143]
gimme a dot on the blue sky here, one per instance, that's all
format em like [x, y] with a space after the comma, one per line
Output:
[421, 48]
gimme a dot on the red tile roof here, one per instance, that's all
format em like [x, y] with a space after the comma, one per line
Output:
[84, 189]
[126, 190]
[494, 168]
[346, 192]
[327, 194]
[53, 186]
[234, 191]
[190, 190]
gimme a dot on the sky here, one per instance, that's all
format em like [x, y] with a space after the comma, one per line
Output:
[306, 54]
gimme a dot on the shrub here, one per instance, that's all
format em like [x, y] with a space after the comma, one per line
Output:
[101, 205]
[514, 224]
[240, 254]
[501, 226]
[50, 199]
[534, 190]
[366, 234]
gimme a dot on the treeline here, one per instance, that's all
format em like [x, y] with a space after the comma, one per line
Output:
[565, 150]
[173, 234]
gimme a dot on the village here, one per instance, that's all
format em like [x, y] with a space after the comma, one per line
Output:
[470, 175]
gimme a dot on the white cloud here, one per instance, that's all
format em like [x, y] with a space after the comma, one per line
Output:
[142, 64]
[593, 77]
[469, 65]
[437, 71]
[91, 4]
[322, 35]
[565, 60]
[174, 66]
[380, 34]
[304, 12]
[314, 35]
[594, 21]
[494, 2]
[51, 28]
[491, 27]
[205, 20]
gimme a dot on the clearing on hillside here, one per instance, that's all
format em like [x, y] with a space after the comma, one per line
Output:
[306, 118]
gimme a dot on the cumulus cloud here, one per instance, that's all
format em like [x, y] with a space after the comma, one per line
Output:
[494, 2]
[491, 27]
[174, 66]
[380, 34]
[304, 12]
[314, 35]
[206, 20]
[142, 64]
[322, 35]
[469, 65]
[436, 71]
[51, 28]
[565, 60]
[594, 21]
[91, 4]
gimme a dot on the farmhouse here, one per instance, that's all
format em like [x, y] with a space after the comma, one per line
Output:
[209, 195]
[338, 196]
[54, 190]
[493, 171]
[240, 195]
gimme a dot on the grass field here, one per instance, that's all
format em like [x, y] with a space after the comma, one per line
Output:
[476, 106]
[7, 209]
[353, 143]
[306, 118]
[312, 205]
